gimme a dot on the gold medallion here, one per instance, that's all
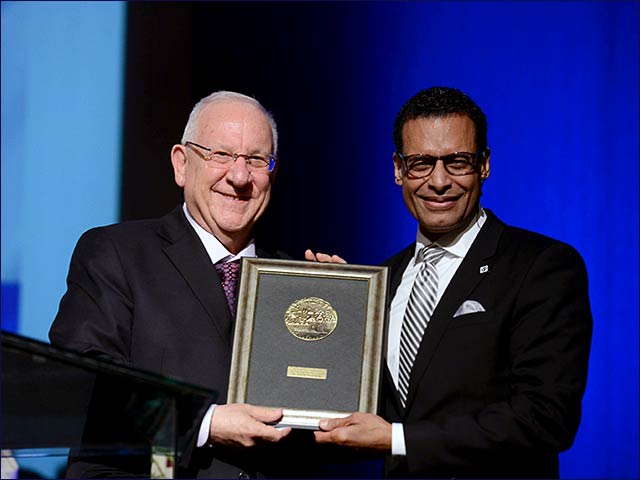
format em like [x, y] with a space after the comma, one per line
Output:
[310, 319]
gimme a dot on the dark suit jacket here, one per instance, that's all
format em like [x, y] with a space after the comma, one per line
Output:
[497, 393]
[145, 294]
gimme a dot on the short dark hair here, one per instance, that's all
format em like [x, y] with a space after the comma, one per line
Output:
[441, 102]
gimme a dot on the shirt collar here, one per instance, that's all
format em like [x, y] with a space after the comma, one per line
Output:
[457, 245]
[217, 252]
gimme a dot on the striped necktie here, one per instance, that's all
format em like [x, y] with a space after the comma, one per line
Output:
[422, 302]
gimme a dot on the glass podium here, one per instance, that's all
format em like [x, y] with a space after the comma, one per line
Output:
[57, 403]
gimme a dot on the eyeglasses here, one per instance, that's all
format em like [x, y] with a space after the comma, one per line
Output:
[220, 159]
[421, 165]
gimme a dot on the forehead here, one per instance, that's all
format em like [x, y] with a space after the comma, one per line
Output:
[452, 133]
[233, 118]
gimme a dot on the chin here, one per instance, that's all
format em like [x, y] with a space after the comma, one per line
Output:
[234, 228]
[440, 229]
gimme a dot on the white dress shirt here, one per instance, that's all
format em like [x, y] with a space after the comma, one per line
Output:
[218, 254]
[455, 248]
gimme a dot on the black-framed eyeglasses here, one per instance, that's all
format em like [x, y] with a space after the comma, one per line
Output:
[421, 165]
[256, 163]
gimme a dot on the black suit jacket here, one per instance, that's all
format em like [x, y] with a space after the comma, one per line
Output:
[145, 294]
[497, 393]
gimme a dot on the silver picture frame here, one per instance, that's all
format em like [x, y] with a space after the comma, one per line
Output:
[309, 338]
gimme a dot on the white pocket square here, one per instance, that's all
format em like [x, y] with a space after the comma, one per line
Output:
[468, 306]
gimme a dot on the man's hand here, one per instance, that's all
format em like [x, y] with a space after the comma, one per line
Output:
[362, 431]
[322, 257]
[243, 425]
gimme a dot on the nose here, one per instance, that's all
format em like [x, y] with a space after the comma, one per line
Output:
[439, 180]
[238, 174]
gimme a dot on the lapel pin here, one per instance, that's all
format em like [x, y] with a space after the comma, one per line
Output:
[484, 268]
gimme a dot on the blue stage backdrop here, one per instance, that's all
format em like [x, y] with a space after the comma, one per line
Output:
[557, 80]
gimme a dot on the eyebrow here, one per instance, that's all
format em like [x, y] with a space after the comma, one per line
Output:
[229, 149]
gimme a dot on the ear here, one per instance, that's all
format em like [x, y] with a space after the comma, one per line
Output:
[485, 167]
[179, 162]
[397, 169]
[272, 175]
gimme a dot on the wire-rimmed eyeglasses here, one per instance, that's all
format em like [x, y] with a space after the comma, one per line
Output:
[255, 162]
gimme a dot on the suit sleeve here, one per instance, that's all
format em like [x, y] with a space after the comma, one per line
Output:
[95, 317]
[95, 313]
[547, 340]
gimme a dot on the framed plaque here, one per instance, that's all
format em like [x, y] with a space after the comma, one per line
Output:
[308, 338]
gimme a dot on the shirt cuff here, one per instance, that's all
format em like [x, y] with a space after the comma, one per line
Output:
[205, 426]
[398, 446]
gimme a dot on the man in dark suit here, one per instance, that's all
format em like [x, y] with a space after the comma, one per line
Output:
[159, 294]
[489, 327]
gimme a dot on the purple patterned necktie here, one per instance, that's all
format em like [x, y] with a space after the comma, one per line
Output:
[229, 274]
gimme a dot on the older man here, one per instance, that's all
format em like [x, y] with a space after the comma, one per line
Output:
[160, 294]
[490, 325]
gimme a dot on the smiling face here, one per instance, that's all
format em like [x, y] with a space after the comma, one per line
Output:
[441, 202]
[226, 201]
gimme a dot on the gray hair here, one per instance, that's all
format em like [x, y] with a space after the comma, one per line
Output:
[226, 96]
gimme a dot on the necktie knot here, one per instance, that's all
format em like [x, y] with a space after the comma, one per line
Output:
[229, 272]
[432, 254]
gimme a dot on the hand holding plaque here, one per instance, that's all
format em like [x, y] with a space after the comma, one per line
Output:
[362, 431]
[242, 425]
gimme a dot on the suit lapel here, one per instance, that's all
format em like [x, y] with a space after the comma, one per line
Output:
[462, 284]
[189, 256]
[398, 265]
